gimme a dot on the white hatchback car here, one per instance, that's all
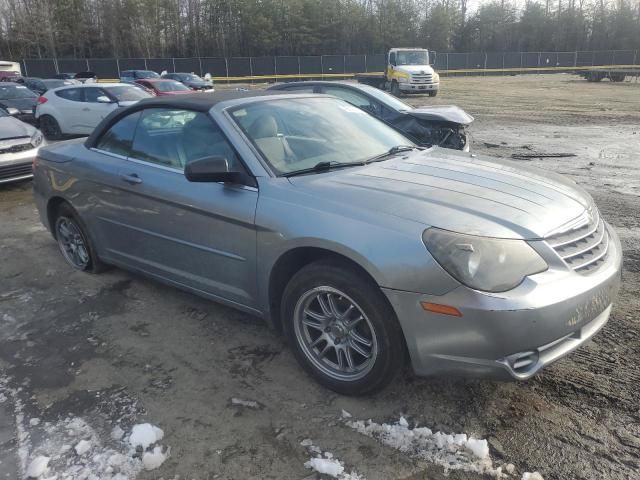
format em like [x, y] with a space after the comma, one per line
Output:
[78, 109]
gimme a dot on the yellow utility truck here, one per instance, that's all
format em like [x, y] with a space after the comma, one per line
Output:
[408, 71]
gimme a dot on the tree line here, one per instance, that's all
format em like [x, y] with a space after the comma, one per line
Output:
[187, 28]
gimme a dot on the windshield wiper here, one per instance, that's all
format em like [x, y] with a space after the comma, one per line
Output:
[392, 151]
[323, 166]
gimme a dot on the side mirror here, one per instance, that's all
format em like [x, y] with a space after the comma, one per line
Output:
[432, 57]
[103, 99]
[213, 169]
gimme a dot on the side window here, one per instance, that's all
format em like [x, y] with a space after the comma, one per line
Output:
[126, 74]
[355, 98]
[172, 138]
[301, 89]
[72, 94]
[119, 137]
[91, 94]
[392, 58]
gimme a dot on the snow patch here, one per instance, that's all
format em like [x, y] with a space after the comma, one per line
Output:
[346, 414]
[144, 434]
[82, 447]
[239, 402]
[38, 466]
[326, 464]
[452, 452]
[152, 460]
[532, 476]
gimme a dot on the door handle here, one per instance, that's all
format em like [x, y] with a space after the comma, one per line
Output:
[131, 178]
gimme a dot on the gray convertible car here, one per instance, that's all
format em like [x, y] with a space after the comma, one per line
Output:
[360, 247]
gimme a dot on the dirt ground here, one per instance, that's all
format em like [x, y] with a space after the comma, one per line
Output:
[120, 349]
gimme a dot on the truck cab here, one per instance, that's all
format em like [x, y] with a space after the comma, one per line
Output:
[408, 71]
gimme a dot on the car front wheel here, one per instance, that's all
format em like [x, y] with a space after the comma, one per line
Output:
[74, 243]
[342, 329]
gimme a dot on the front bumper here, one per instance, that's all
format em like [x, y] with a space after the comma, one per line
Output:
[509, 335]
[418, 87]
[17, 166]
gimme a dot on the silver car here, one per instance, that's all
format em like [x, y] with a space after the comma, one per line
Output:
[19, 144]
[357, 245]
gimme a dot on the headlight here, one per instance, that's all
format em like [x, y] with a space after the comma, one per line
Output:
[36, 138]
[487, 264]
[436, 77]
[12, 111]
[403, 79]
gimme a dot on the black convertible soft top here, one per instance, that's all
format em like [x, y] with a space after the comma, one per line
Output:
[201, 102]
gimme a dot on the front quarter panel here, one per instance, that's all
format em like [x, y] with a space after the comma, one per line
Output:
[389, 248]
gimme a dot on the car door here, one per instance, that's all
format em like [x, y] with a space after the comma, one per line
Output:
[199, 235]
[97, 105]
[68, 110]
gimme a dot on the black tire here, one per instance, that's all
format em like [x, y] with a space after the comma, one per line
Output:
[50, 127]
[379, 316]
[395, 89]
[66, 216]
[433, 93]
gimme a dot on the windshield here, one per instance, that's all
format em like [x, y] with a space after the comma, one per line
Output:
[192, 78]
[147, 74]
[170, 86]
[413, 57]
[296, 134]
[389, 100]
[10, 92]
[128, 94]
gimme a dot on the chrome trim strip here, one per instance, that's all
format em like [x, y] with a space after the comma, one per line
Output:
[594, 259]
[587, 249]
[110, 154]
[573, 240]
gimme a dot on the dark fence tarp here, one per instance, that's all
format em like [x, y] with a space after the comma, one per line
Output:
[39, 68]
[216, 66]
[327, 64]
[104, 67]
[287, 65]
[263, 66]
[239, 67]
[72, 65]
[187, 65]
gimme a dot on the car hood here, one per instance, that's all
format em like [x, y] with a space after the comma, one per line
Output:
[447, 113]
[420, 69]
[453, 191]
[22, 104]
[13, 128]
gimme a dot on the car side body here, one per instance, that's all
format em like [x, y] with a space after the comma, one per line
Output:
[243, 241]
[78, 109]
[442, 125]
[194, 82]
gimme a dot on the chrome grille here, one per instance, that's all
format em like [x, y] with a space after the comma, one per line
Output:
[14, 171]
[16, 148]
[421, 78]
[584, 245]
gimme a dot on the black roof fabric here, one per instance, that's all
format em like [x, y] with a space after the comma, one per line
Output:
[200, 101]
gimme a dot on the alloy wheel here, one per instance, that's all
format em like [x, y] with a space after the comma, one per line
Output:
[72, 243]
[335, 334]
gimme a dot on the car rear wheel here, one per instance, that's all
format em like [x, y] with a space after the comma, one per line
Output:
[74, 243]
[342, 329]
[50, 127]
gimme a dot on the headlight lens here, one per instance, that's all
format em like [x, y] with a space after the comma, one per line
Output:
[436, 77]
[36, 138]
[487, 264]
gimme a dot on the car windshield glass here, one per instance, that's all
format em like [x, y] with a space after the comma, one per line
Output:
[389, 100]
[128, 94]
[147, 74]
[413, 57]
[297, 134]
[170, 86]
[10, 92]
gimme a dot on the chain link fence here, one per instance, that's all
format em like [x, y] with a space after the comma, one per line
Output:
[270, 68]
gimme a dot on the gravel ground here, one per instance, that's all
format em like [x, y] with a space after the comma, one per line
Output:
[120, 349]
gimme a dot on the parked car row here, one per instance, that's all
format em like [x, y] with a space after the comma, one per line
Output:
[189, 80]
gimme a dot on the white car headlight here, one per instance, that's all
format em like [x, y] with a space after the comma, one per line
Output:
[403, 79]
[482, 263]
[436, 77]
[36, 138]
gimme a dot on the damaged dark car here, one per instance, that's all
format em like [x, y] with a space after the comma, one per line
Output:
[443, 125]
